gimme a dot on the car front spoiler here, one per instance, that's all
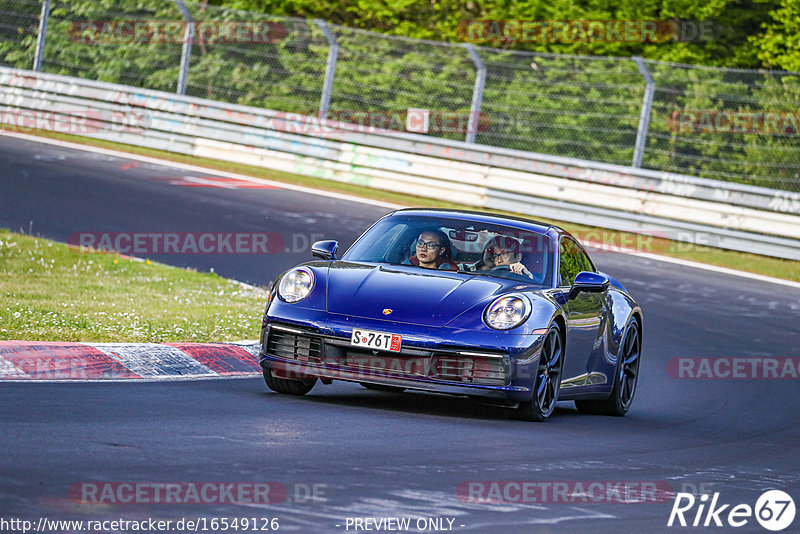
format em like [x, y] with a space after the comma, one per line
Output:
[513, 393]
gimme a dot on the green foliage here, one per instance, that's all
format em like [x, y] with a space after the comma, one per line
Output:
[53, 292]
[733, 22]
[535, 98]
[779, 45]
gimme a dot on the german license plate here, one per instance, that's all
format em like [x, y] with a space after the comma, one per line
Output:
[376, 340]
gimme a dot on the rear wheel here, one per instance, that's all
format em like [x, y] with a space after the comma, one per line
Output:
[289, 387]
[625, 379]
[548, 381]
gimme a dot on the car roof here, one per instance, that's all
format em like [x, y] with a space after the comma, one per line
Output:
[479, 216]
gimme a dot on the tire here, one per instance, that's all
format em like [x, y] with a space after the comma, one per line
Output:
[548, 380]
[286, 386]
[626, 377]
[381, 387]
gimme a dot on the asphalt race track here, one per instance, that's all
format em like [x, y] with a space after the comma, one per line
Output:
[372, 454]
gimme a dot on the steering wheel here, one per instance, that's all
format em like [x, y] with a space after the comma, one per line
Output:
[526, 272]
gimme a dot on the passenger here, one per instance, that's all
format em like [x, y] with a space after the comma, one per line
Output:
[501, 251]
[433, 251]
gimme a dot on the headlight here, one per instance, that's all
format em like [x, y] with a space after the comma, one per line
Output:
[507, 312]
[296, 284]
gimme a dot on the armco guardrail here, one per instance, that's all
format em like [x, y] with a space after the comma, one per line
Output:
[684, 208]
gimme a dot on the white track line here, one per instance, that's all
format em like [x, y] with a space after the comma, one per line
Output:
[153, 379]
[349, 198]
[152, 360]
[689, 263]
[197, 168]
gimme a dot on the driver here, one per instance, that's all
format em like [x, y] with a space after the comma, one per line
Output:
[502, 252]
[433, 251]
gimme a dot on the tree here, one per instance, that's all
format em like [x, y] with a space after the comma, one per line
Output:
[779, 45]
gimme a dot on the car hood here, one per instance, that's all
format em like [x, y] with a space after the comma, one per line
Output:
[412, 295]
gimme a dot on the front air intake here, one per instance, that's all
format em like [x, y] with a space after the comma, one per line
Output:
[294, 346]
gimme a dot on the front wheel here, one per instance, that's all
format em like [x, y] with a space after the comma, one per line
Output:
[548, 380]
[289, 387]
[625, 378]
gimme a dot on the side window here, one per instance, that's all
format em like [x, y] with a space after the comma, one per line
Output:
[573, 261]
[587, 263]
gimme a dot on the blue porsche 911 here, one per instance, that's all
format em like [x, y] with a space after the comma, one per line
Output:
[500, 309]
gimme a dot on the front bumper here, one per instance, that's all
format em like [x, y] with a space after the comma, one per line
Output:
[496, 366]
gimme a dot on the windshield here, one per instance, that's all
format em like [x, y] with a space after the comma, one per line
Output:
[480, 249]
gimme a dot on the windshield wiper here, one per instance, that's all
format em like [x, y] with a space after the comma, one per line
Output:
[496, 275]
[477, 273]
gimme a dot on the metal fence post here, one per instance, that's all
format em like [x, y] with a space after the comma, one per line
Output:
[186, 52]
[477, 93]
[330, 68]
[644, 117]
[45, 16]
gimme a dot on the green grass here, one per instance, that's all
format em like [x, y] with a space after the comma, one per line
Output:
[53, 292]
[775, 267]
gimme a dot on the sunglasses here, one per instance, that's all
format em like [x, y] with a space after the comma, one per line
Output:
[430, 245]
[498, 255]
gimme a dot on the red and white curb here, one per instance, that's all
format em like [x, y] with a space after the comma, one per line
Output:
[101, 362]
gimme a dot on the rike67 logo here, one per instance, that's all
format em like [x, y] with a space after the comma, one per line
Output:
[774, 510]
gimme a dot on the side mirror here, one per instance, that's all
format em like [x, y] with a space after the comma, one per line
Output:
[590, 282]
[325, 249]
